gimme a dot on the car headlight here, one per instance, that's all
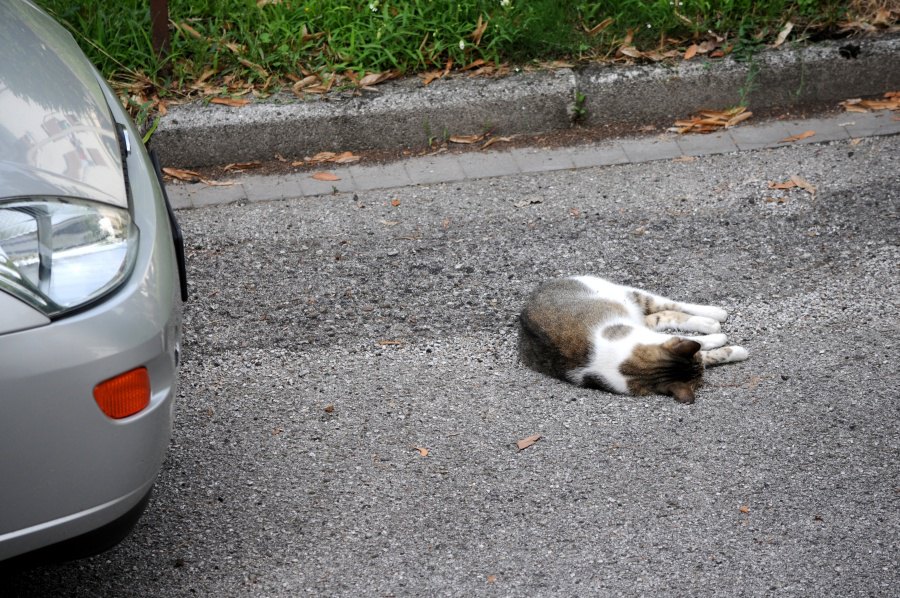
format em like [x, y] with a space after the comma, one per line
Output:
[58, 254]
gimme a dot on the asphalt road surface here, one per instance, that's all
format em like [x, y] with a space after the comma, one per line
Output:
[351, 398]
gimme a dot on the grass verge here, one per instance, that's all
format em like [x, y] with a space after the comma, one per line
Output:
[240, 47]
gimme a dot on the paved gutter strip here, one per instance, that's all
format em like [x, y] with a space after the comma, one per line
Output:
[406, 114]
[449, 168]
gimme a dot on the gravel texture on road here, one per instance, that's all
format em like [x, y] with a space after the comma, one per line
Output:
[330, 338]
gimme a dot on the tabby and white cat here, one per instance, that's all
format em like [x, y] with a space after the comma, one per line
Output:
[599, 334]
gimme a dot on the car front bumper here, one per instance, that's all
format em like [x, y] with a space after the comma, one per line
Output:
[65, 467]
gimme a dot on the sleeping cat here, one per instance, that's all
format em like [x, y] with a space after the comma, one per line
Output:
[599, 334]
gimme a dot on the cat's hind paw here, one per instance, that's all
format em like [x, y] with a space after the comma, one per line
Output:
[710, 311]
[702, 325]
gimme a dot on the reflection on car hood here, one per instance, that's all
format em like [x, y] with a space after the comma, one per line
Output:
[57, 136]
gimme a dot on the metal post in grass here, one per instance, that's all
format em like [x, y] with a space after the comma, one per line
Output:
[159, 21]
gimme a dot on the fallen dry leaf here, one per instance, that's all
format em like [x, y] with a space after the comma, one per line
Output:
[891, 101]
[389, 343]
[744, 509]
[326, 176]
[213, 183]
[630, 51]
[691, 51]
[345, 158]
[526, 442]
[374, 79]
[494, 140]
[395, 202]
[803, 184]
[782, 35]
[856, 141]
[599, 26]
[684, 159]
[491, 578]
[798, 137]
[474, 64]
[237, 166]
[233, 102]
[188, 176]
[784, 185]
[465, 139]
[422, 450]
[480, 28]
[708, 121]
[341, 158]
[329, 409]
[430, 76]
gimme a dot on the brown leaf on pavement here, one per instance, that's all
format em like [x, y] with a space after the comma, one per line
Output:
[526, 442]
[422, 450]
[804, 184]
[691, 52]
[744, 509]
[784, 185]
[799, 136]
[326, 176]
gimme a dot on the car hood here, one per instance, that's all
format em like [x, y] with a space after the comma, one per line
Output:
[57, 135]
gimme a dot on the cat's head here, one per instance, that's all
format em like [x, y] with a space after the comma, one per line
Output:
[672, 368]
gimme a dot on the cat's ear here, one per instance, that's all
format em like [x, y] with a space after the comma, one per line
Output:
[682, 347]
[683, 393]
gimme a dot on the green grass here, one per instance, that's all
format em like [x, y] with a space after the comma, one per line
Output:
[268, 45]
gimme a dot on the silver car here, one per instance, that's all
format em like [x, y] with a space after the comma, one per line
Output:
[91, 290]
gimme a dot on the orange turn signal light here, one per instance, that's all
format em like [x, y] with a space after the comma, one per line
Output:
[124, 395]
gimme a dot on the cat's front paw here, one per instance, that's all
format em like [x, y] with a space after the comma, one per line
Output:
[711, 341]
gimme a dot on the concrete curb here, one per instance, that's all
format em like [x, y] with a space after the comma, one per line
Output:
[450, 168]
[406, 114]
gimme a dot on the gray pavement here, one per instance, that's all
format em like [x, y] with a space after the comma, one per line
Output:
[330, 336]
[449, 168]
